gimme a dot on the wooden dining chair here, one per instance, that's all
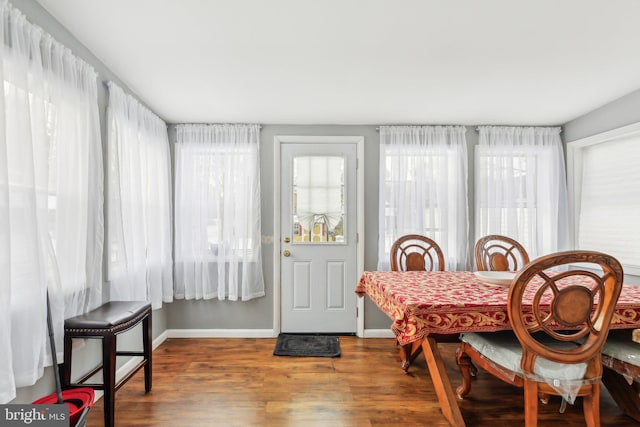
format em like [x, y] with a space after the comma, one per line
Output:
[414, 252]
[500, 253]
[560, 322]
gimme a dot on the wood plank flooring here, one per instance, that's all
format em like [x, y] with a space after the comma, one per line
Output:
[238, 382]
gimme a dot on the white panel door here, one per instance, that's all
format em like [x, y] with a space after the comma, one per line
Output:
[318, 237]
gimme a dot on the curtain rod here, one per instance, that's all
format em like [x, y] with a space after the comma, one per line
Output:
[477, 129]
[378, 128]
[175, 125]
[506, 126]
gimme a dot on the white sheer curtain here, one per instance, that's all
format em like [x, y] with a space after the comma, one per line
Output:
[521, 187]
[423, 189]
[139, 263]
[217, 212]
[50, 195]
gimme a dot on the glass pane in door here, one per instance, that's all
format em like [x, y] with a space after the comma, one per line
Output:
[318, 199]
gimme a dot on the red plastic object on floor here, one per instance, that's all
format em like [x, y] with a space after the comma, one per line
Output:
[79, 400]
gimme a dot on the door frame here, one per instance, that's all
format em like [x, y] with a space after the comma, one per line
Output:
[278, 140]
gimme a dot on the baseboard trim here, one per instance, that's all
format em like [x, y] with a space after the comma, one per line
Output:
[249, 333]
[378, 333]
[159, 340]
[221, 333]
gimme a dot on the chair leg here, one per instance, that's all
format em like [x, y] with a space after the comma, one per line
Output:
[544, 397]
[467, 369]
[109, 377]
[591, 407]
[146, 345]
[530, 404]
[65, 369]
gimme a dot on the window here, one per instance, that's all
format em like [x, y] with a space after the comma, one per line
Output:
[423, 189]
[139, 203]
[406, 175]
[520, 187]
[221, 192]
[318, 199]
[217, 212]
[501, 172]
[54, 173]
[50, 195]
[605, 189]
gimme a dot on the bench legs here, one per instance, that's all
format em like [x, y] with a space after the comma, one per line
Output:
[109, 353]
[109, 377]
[148, 354]
[108, 365]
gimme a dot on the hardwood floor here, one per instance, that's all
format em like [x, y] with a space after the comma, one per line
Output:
[238, 382]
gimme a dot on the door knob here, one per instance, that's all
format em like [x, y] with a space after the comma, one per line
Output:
[286, 253]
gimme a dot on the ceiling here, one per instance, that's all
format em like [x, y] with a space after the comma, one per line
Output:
[469, 62]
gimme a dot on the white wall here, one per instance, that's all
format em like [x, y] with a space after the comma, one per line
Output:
[621, 112]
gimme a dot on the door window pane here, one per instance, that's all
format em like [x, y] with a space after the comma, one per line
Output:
[318, 199]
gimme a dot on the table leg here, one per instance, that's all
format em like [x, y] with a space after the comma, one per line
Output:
[441, 383]
[408, 354]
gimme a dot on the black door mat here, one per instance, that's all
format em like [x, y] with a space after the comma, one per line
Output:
[307, 345]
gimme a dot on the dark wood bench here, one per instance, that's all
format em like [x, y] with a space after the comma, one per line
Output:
[106, 322]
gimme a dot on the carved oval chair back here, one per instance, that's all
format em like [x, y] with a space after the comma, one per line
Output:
[500, 253]
[414, 252]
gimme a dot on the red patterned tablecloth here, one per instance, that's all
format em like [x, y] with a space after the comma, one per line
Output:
[449, 302]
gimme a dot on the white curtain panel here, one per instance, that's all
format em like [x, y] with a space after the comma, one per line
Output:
[520, 187]
[50, 195]
[139, 266]
[423, 189]
[217, 212]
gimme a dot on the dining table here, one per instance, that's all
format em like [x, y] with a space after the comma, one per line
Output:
[427, 307]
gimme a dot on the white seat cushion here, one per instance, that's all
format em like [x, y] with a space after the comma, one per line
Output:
[503, 348]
